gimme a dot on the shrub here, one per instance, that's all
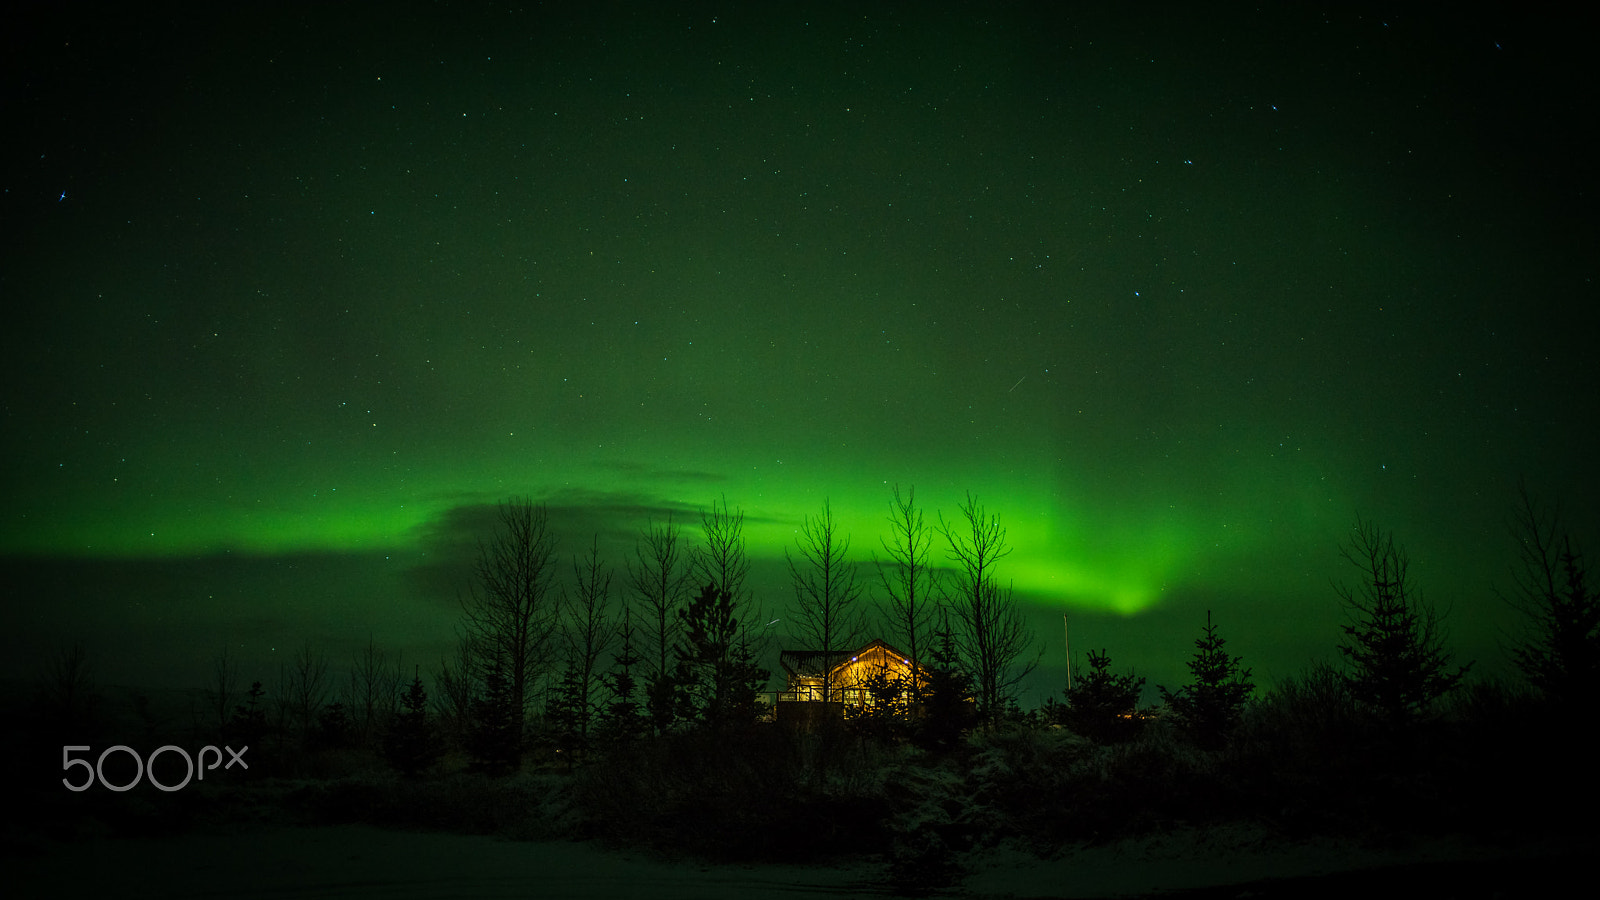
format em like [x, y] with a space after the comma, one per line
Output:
[740, 796]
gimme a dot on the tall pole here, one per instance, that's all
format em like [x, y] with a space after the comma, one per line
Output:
[1066, 644]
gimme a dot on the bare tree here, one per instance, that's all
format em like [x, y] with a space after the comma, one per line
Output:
[308, 687]
[992, 635]
[721, 564]
[1561, 657]
[589, 632]
[659, 579]
[224, 685]
[909, 579]
[826, 593]
[280, 706]
[1395, 640]
[721, 560]
[67, 697]
[512, 608]
[454, 689]
[373, 690]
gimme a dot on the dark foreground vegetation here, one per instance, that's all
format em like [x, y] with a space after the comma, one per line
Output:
[1496, 764]
[650, 728]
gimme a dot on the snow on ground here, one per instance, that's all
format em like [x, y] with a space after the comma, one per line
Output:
[364, 861]
[1242, 856]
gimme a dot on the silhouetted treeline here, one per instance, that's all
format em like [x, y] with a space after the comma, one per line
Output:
[638, 715]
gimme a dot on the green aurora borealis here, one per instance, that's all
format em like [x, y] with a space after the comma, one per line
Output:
[291, 298]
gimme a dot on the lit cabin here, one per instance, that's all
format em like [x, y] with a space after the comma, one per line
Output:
[845, 673]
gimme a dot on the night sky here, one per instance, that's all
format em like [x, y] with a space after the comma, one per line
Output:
[292, 297]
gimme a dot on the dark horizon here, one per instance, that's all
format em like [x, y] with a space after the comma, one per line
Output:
[182, 612]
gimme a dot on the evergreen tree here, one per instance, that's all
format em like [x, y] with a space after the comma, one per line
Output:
[494, 743]
[336, 728]
[717, 680]
[1564, 662]
[248, 724]
[886, 707]
[1395, 641]
[622, 720]
[948, 703]
[746, 682]
[567, 715]
[411, 746]
[1104, 707]
[1561, 655]
[1209, 708]
[662, 701]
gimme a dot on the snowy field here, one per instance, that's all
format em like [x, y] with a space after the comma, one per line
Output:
[363, 861]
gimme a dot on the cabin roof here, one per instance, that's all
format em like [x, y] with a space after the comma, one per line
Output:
[818, 662]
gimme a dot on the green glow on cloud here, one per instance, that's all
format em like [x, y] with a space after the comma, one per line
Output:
[1082, 557]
